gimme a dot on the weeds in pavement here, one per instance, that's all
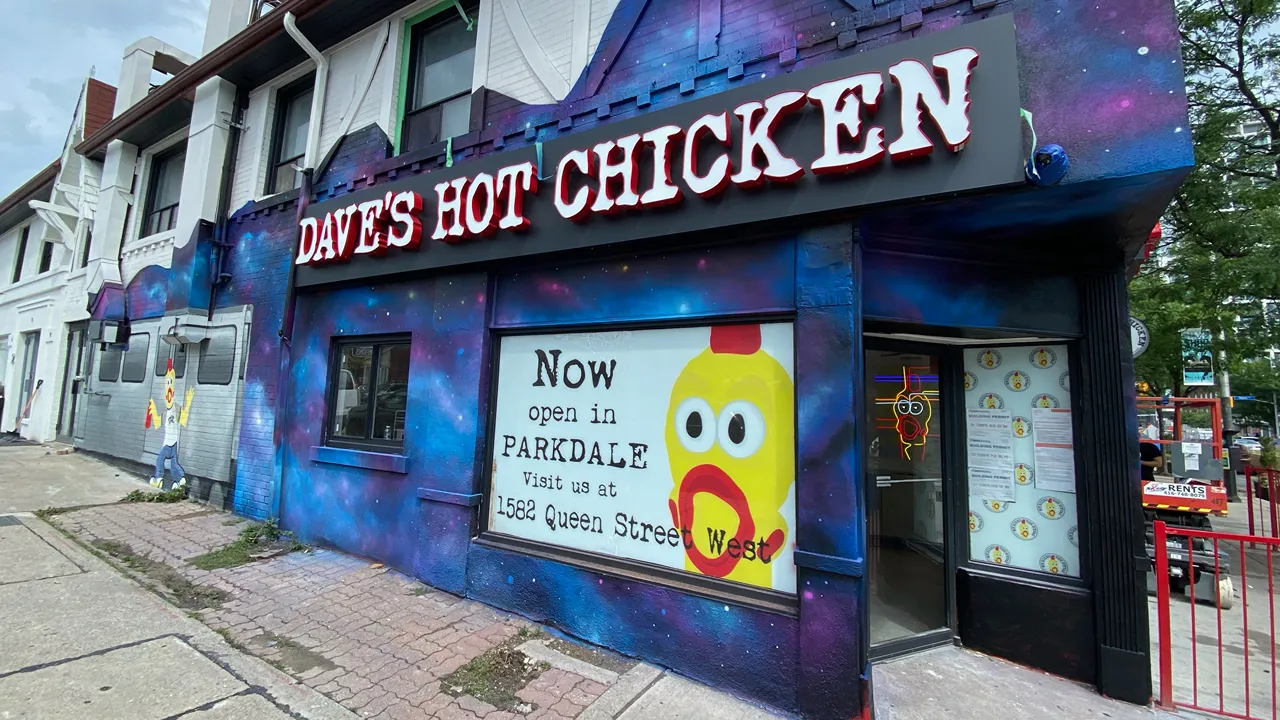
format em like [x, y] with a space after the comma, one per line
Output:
[46, 513]
[172, 495]
[232, 521]
[257, 541]
[496, 676]
[185, 593]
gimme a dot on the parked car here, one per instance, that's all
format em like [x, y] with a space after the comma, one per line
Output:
[388, 412]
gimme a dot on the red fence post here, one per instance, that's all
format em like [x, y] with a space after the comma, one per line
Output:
[1248, 485]
[1271, 501]
[1162, 610]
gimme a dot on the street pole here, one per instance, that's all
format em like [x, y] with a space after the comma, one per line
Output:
[1275, 411]
[1224, 390]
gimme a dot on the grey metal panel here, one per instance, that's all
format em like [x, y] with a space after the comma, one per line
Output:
[111, 416]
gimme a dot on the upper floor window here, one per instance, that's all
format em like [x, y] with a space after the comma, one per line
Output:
[88, 245]
[289, 142]
[22, 253]
[46, 257]
[163, 191]
[438, 104]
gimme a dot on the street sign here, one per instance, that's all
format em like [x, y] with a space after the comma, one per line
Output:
[1138, 335]
[1243, 397]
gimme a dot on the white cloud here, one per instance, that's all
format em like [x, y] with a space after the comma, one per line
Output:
[47, 49]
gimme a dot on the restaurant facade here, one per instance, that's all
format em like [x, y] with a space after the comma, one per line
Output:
[766, 367]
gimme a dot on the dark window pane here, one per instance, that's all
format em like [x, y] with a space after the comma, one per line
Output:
[354, 378]
[217, 357]
[109, 365]
[88, 244]
[295, 123]
[286, 176]
[22, 253]
[393, 392]
[455, 117]
[46, 257]
[168, 181]
[178, 353]
[422, 128]
[135, 358]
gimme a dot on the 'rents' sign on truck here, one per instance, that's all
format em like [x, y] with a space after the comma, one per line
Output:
[674, 447]
[1176, 490]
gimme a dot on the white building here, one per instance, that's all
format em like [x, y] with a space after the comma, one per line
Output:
[45, 240]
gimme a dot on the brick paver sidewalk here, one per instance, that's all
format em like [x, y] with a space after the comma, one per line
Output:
[370, 638]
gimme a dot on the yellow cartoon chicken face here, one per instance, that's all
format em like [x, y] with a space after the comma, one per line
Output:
[730, 439]
[168, 386]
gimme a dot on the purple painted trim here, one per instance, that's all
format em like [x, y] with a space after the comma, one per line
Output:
[466, 500]
[386, 462]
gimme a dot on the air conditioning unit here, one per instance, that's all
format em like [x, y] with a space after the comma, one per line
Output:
[108, 331]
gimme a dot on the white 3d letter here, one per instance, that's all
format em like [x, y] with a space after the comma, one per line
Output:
[841, 102]
[950, 115]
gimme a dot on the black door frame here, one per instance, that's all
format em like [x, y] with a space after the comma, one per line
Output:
[954, 489]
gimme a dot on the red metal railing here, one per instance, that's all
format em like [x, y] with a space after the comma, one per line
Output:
[1221, 660]
[1262, 484]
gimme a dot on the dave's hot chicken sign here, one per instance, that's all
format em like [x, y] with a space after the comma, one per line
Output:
[901, 118]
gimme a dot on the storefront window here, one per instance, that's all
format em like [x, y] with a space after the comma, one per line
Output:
[369, 390]
[672, 447]
[1021, 459]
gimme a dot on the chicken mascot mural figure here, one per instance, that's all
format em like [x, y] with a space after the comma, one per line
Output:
[175, 418]
[731, 442]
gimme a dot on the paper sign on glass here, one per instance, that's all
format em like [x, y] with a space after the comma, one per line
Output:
[1054, 454]
[990, 443]
[991, 484]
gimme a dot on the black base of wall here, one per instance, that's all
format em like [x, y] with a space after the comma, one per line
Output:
[1039, 625]
[215, 493]
[1124, 675]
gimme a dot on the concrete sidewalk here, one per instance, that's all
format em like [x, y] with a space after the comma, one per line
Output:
[81, 641]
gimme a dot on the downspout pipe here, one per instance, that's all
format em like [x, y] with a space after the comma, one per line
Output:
[222, 224]
[282, 409]
[317, 96]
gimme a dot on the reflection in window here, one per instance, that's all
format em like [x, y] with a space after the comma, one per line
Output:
[109, 363]
[177, 353]
[217, 357]
[293, 121]
[369, 392]
[135, 358]
[439, 102]
[164, 192]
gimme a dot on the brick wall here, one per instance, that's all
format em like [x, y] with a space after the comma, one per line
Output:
[260, 262]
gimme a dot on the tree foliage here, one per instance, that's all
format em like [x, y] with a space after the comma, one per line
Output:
[1219, 262]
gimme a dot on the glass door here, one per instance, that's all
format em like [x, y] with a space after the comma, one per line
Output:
[27, 388]
[70, 385]
[907, 547]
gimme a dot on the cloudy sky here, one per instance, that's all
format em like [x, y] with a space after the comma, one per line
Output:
[46, 50]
